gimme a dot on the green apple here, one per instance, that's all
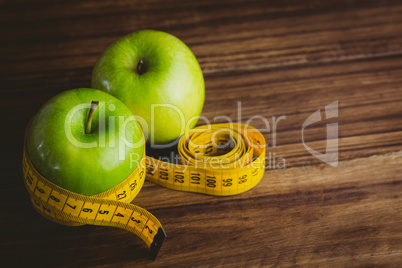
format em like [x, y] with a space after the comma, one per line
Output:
[158, 77]
[84, 148]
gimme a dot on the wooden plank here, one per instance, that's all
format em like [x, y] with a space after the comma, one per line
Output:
[264, 37]
[268, 61]
[314, 215]
[369, 96]
[278, 58]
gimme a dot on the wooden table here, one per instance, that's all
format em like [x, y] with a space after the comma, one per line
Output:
[277, 58]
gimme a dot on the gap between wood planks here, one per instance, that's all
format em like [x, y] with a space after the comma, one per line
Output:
[349, 174]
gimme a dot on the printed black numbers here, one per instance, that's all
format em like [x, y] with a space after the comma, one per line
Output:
[122, 195]
[29, 179]
[73, 207]
[150, 231]
[243, 179]
[195, 178]
[40, 190]
[255, 172]
[55, 199]
[211, 181]
[134, 220]
[179, 177]
[150, 169]
[163, 174]
[209, 148]
[133, 185]
[46, 209]
[227, 182]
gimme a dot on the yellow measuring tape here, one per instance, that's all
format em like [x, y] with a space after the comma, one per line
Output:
[219, 159]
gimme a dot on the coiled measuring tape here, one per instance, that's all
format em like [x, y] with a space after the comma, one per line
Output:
[219, 159]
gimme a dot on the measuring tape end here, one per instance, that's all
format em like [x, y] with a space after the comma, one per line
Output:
[157, 243]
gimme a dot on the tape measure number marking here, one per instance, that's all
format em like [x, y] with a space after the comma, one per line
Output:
[221, 159]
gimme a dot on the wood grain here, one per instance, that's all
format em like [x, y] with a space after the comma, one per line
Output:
[299, 216]
[274, 58]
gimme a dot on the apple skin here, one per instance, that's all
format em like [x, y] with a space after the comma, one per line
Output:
[87, 171]
[170, 75]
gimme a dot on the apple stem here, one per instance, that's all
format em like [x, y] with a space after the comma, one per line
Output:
[94, 104]
[139, 67]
